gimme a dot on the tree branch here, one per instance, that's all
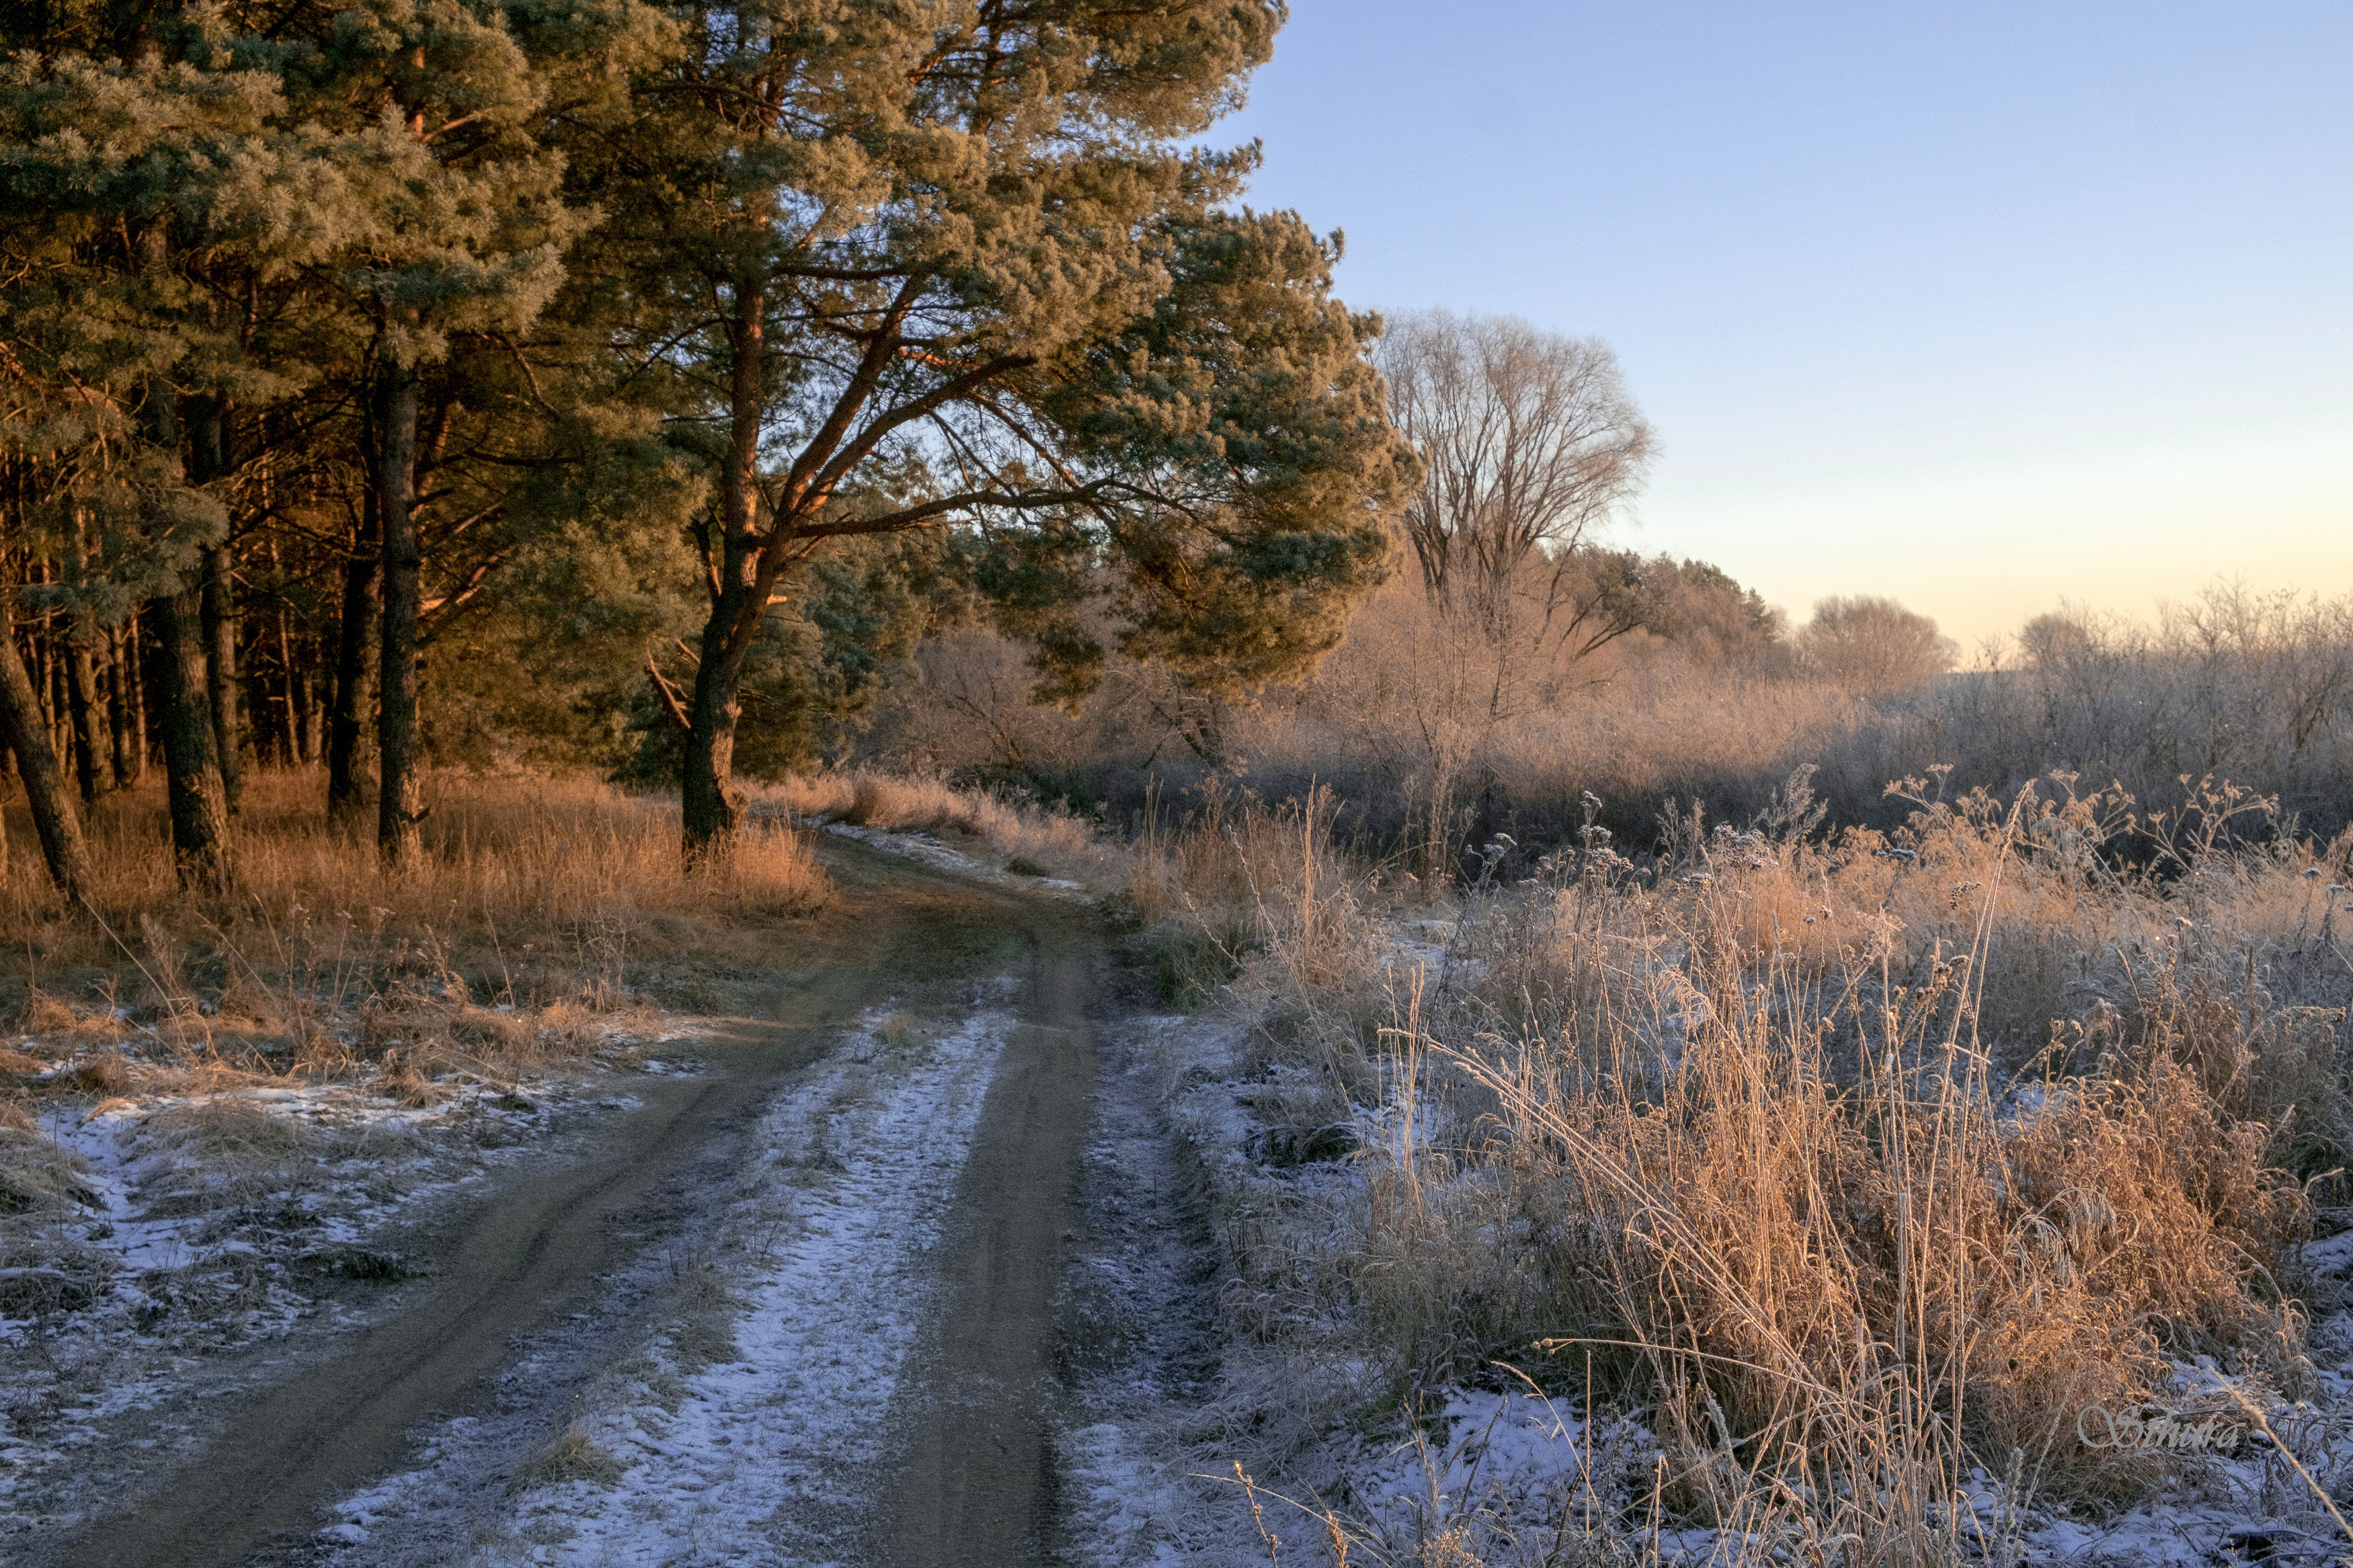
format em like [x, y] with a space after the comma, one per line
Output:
[668, 695]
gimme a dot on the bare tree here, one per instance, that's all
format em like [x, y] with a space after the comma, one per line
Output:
[1530, 440]
[1871, 646]
[2281, 660]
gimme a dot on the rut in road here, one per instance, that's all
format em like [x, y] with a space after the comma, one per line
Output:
[976, 1483]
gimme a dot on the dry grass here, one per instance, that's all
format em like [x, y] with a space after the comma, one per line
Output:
[1900, 1277]
[1860, 1161]
[538, 913]
[35, 1176]
[225, 1131]
[522, 853]
[1442, 722]
[574, 1455]
[1023, 836]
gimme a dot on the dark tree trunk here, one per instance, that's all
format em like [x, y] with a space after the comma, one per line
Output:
[400, 803]
[143, 734]
[220, 640]
[60, 697]
[710, 805]
[129, 716]
[199, 807]
[90, 740]
[42, 669]
[711, 809]
[351, 726]
[26, 734]
[118, 711]
[209, 456]
[198, 804]
[1200, 720]
[314, 722]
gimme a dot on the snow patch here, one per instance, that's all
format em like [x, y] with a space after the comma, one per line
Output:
[932, 852]
[758, 1458]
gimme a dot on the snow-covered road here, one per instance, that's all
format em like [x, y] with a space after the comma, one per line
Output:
[761, 1447]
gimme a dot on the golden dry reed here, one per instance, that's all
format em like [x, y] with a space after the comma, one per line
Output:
[536, 905]
[1859, 1164]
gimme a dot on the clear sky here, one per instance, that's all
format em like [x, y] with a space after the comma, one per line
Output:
[1976, 305]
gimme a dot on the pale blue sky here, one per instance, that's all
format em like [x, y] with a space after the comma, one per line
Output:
[1979, 305]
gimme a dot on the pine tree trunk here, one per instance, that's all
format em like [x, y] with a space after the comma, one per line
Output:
[710, 806]
[60, 694]
[199, 806]
[118, 711]
[208, 418]
[400, 801]
[350, 727]
[43, 672]
[143, 734]
[130, 717]
[221, 640]
[54, 819]
[90, 742]
[710, 810]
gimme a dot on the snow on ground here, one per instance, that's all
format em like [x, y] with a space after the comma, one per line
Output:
[1496, 1451]
[126, 1150]
[932, 852]
[207, 1223]
[760, 1452]
[1150, 1463]
[1140, 1322]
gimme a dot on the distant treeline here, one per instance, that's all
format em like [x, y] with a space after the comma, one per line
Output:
[1440, 725]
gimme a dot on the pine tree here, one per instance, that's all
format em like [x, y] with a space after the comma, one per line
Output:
[95, 152]
[457, 230]
[972, 240]
[677, 353]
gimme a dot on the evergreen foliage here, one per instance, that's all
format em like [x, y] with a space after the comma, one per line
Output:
[561, 383]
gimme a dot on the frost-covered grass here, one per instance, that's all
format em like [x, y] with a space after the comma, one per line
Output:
[1774, 1193]
[931, 851]
[1024, 838]
[212, 1111]
[1850, 1172]
[327, 1003]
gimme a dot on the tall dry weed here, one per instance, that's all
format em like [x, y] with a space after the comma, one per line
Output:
[1866, 1162]
[537, 900]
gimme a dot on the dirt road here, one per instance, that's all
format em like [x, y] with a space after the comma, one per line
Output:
[974, 1484]
[977, 1485]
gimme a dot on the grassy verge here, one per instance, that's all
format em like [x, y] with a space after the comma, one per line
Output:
[1018, 837]
[542, 911]
[1853, 1169]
